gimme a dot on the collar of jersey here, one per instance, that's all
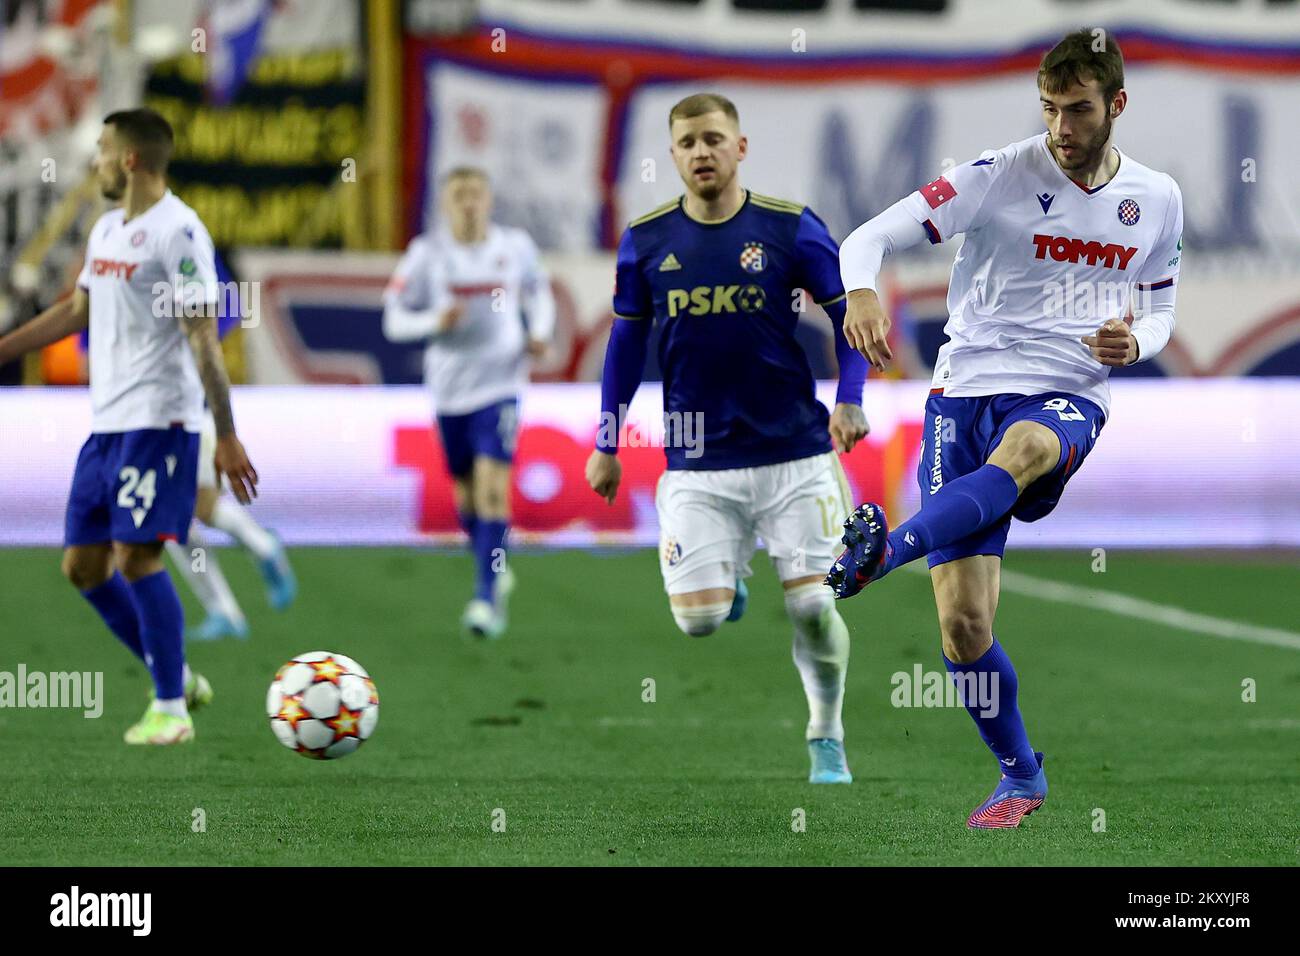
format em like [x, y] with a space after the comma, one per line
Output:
[165, 196]
[1042, 142]
[681, 204]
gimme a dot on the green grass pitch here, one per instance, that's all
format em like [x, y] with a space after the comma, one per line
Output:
[1139, 720]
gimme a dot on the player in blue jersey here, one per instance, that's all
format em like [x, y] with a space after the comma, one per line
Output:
[1020, 389]
[750, 449]
[223, 617]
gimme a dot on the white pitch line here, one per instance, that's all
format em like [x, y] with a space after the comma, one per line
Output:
[1128, 606]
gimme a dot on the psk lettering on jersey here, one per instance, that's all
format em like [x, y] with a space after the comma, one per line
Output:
[114, 268]
[706, 300]
[1068, 249]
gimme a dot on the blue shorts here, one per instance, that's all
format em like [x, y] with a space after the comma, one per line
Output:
[489, 432]
[967, 430]
[136, 487]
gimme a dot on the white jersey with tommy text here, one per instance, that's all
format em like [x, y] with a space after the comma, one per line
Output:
[482, 359]
[142, 374]
[1045, 262]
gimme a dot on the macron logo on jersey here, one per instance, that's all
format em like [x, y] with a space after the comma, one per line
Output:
[1067, 249]
[938, 192]
[114, 268]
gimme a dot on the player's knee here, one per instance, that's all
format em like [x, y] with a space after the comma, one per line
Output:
[84, 571]
[701, 620]
[809, 606]
[966, 634]
[139, 561]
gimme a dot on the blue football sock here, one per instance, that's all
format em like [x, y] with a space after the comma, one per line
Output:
[468, 521]
[489, 555]
[116, 606]
[992, 704]
[162, 624]
[960, 508]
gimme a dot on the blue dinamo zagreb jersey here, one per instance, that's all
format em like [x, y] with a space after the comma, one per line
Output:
[726, 297]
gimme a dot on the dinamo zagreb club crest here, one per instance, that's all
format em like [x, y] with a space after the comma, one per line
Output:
[752, 257]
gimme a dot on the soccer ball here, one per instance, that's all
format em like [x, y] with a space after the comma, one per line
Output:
[322, 705]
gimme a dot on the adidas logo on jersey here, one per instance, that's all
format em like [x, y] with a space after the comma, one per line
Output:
[669, 264]
[1068, 249]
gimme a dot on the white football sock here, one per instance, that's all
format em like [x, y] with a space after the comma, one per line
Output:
[821, 653]
[174, 707]
[234, 519]
[208, 585]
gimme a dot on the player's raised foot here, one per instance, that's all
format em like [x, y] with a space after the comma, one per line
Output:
[740, 601]
[281, 584]
[829, 764]
[216, 626]
[866, 536]
[481, 620]
[160, 729]
[1013, 799]
[198, 692]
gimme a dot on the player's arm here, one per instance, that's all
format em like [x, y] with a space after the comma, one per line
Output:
[624, 365]
[538, 302]
[1116, 344]
[819, 271]
[69, 315]
[230, 459]
[416, 302]
[954, 203]
[191, 262]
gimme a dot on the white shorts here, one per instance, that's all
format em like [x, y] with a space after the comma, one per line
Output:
[207, 448]
[708, 521]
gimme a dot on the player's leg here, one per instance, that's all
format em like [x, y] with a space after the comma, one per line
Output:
[218, 511]
[804, 502]
[706, 538]
[490, 435]
[966, 597]
[154, 483]
[200, 568]
[956, 508]
[88, 555]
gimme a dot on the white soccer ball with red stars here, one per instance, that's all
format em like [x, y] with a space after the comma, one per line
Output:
[322, 705]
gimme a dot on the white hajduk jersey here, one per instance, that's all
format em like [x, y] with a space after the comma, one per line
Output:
[1045, 262]
[481, 360]
[142, 373]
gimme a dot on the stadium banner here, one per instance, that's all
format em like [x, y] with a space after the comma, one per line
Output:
[1181, 464]
[851, 131]
[266, 170]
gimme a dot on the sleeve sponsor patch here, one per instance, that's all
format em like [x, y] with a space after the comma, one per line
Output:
[938, 192]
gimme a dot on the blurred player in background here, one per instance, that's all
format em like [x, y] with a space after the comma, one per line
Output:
[466, 288]
[722, 270]
[224, 617]
[1020, 390]
[135, 480]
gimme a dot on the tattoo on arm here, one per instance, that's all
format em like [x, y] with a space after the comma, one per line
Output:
[201, 331]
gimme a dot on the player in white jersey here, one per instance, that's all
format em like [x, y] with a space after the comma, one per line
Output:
[147, 294]
[1065, 235]
[466, 288]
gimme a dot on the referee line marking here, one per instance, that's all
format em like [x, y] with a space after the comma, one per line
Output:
[1126, 605]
